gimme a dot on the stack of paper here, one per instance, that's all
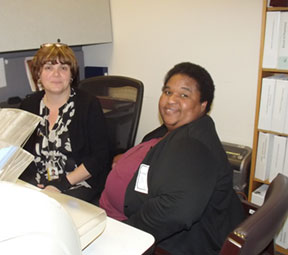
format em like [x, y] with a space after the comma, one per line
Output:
[17, 125]
[13, 161]
[15, 129]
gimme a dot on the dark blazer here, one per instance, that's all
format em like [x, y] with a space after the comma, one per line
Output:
[191, 206]
[88, 137]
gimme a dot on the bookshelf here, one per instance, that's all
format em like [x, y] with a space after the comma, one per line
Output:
[254, 183]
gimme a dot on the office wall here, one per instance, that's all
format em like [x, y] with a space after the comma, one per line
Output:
[25, 25]
[149, 37]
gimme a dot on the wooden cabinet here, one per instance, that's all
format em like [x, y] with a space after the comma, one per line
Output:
[263, 72]
[26, 25]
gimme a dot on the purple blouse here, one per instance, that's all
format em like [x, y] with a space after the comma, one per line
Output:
[112, 197]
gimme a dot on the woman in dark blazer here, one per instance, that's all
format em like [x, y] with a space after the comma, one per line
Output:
[181, 190]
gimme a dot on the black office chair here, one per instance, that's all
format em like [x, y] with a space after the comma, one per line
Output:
[255, 235]
[121, 99]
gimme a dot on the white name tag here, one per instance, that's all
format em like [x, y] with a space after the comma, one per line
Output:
[141, 182]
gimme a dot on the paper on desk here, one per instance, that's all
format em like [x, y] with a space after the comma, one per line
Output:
[15, 129]
[13, 161]
[17, 125]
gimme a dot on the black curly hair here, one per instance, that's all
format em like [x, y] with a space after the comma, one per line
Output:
[200, 75]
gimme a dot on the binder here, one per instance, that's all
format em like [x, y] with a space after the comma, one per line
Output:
[266, 103]
[271, 41]
[264, 155]
[283, 42]
[278, 156]
[280, 105]
[285, 166]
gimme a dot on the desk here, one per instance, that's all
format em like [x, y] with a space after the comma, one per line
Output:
[121, 239]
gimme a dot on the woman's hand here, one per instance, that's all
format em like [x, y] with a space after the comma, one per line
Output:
[52, 188]
[48, 187]
[65, 182]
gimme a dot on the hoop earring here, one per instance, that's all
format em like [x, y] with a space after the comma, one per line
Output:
[39, 84]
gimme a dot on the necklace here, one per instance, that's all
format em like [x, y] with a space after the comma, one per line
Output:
[52, 137]
[53, 147]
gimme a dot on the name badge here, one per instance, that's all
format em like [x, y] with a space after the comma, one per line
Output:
[52, 172]
[142, 179]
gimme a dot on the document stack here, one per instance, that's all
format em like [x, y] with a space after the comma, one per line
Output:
[15, 129]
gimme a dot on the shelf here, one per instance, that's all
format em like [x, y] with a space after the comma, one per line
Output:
[273, 71]
[272, 132]
[261, 181]
[281, 250]
[277, 9]
[254, 183]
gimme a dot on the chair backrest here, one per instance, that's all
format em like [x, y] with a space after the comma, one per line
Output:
[256, 233]
[121, 99]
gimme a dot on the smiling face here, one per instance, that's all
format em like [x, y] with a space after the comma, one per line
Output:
[55, 78]
[180, 103]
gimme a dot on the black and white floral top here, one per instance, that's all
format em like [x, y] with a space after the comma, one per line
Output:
[53, 153]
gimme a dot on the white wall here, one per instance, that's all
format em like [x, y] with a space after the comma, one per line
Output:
[25, 25]
[149, 37]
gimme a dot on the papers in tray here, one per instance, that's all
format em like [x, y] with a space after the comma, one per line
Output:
[15, 129]
[17, 125]
[13, 161]
[90, 220]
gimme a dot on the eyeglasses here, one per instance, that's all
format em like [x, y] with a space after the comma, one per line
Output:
[58, 45]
